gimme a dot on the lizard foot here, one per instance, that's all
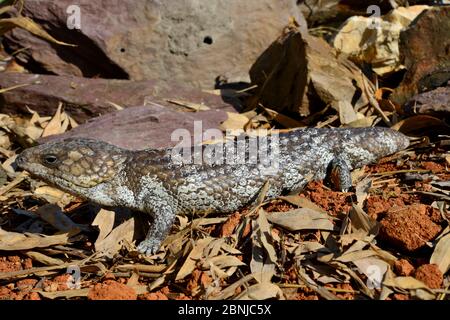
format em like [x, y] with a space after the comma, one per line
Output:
[149, 247]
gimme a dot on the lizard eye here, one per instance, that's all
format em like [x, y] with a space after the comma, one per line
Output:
[50, 159]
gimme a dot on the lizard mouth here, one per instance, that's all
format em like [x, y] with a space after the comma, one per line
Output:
[20, 160]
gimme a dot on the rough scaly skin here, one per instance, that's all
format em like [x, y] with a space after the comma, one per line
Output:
[156, 182]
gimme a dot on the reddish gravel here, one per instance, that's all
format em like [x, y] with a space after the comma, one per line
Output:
[111, 290]
[402, 267]
[408, 228]
[430, 275]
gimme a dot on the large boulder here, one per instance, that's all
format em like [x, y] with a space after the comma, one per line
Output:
[84, 98]
[425, 51]
[189, 41]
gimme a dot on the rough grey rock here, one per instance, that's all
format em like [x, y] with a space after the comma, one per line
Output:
[187, 41]
[84, 98]
[425, 51]
[434, 102]
[143, 127]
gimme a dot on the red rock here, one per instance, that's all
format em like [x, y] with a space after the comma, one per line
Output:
[408, 228]
[430, 275]
[111, 290]
[402, 267]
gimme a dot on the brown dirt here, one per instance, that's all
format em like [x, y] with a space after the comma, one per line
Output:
[111, 290]
[333, 202]
[278, 206]
[430, 275]
[305, 294]
[14, 263]
[58, 283]
[402, 267]
[229, 225]
[26, 284]
[377, 206]
[199, 280]
[153, 296]
[399, 296]
[383, 167]
[433, 166]
[408, 228]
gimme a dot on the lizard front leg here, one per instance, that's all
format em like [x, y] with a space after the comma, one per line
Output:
[163, 220]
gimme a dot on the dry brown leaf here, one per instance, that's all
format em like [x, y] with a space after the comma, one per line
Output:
[44, 259]
[67, 294]
[355, 255]
[341, 267]
[40, 271]
[374, 269]
[112, 243]
[264, 256]
[3, 90]
[65, 122]
[157, 283]
[32, 132]
[231, 289]
[139, 289]
[385, 290]
[361, 221]
[261, 291]
[54, 216]
[384, 255]
[441, 254]
[364, 122]
[73, 123]
[208, 221]
[303, 202]
[304, 278]
[54, 195]
[133, 280]
[417, 123]
[222, 261]
[309, 246]
[141, 268]
[11, 241]
[301, 219]
[192, 258]
[262, 269]
[282, 119]
[6, 9]
[104, 220]
[214, 247]
[362, 188]
[235, 121]
[406, 283]
[54, 126]
[189, 105]
[29, 25]
[7, 165]
[264, 232]
[346, 111]
[13, 183]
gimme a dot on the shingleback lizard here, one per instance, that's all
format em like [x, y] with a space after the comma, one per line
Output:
[151, 180]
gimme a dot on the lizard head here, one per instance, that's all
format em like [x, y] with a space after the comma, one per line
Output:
[76, 165]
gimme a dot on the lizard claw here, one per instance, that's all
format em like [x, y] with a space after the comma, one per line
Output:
[149, 247]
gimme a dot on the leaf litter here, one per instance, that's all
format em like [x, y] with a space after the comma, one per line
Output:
[319, 244]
